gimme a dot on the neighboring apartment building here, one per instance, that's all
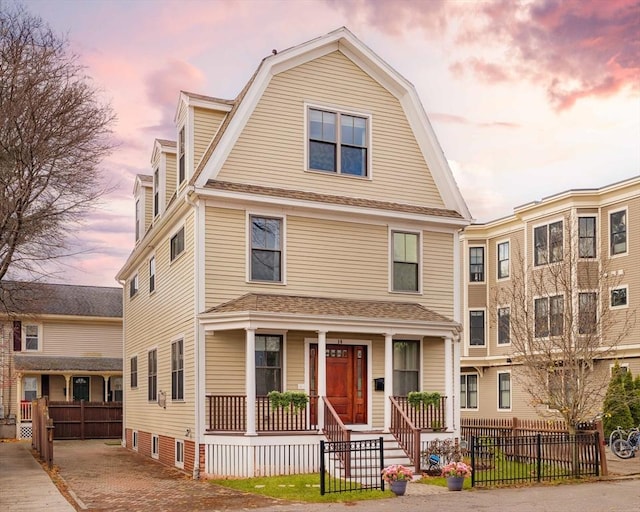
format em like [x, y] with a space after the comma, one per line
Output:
[597, 231]
[302, 237]
[60, 341]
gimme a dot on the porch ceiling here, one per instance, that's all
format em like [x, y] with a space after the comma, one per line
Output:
[256, 311]
[33, 363]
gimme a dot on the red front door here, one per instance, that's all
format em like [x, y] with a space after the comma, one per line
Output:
[346, 380]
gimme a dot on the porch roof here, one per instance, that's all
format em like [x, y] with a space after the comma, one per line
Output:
[257, 310]
[33, 363]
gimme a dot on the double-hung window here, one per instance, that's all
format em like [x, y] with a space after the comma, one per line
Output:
[156, 192]
[547, 242]
[152, 274]
[618, 232]
[177, 244]
[138, 220]
[266, 249]
[504, 326]
[338, 142]
[152, 377]
[31, 337]
[587, 237]
[476, 328]
[406, 367]
[587, 312]
[133, 286]
[181, 152]
[549, 316]
[503, 260]
[469, 391]
[406, 267]
[476, 264]
[133, 368]
[268, 364]
[504, 390]
[177, 370]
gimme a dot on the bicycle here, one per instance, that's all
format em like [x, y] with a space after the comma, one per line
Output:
[627, 448]
[618, 433]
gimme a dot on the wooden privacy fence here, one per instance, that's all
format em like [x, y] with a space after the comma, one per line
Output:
[87, 420]
[42, 431]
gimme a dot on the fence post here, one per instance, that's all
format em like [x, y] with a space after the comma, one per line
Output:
[49, 442]
[82, 419]
[473, 461]
[539, 456]
[322, 468]
[381, 462]
[604, 470]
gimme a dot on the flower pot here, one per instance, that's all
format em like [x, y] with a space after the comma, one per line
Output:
[398, 487]
[455, 483]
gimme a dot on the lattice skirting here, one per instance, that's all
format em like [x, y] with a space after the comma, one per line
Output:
[26, 431]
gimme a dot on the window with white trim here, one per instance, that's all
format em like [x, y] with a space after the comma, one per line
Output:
[138, 220]
[406, 262]
[547, 243]
[133, 369]
[619, 297]
[177, 244]
[152, 376]
[468, 390]
[156, 192]
[181, 159]
[152, 274]
[177, 370]
[31, 337]
[476, 264]
[549, 316]
[476, 328]
[504, 326]
[338, 142]
[268, 357]
[406, 367]
[504, 390]
[266, 249]
[618, 232]
[133, 286]
[587, 237]
[179, 462]
[134, 440]
[29, 388]
[503, 260]
[155, 446]
[587, 312]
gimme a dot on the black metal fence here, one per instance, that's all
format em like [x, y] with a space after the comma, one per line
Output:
[534, 458]
[351, 465]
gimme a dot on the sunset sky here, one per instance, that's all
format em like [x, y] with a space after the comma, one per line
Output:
[527, 98]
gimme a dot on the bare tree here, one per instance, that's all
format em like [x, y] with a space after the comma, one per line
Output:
[561, 325]
[54, 132]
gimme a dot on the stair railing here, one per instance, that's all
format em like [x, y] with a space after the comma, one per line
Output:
[406, 433]
[336, 431]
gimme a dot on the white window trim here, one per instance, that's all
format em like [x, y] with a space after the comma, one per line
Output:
[155, 441]
[184, 367]
[155, 273]
[179, 463]
[548, 297]
[183, 126]
[184, 250]
[626, 219]
[484, 310]
[283, 249]
[338, 110]
[597, 236]
[139, 218]
[498, 408]
[137, 371]
[484, 264]
[621, 365]
[283, 334]
[611, 288]
[135, 281]
[420, 234]
[498, 344]
[146, 376]
[24, 336]
[533, 241]
[417, 339]
[134, 440]
[477, 408]
[597, 293]
[498, 278]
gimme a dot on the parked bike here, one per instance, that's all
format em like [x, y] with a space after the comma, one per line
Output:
[627, 448]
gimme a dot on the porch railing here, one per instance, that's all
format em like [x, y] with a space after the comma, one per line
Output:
[337, 433]
[228, 413]
[25, 410]
[405, 432]
[424, 417]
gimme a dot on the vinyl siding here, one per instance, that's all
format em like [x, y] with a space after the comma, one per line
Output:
[170, 177]
[225, 363]
[154, 320]
[205, 125]
[270, 150]
[82, 339]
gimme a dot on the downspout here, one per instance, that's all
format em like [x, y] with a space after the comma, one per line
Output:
[198, 352]
[123, 441]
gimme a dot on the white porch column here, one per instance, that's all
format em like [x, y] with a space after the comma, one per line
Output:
[448, 382]
[106, 387]
[67, 380]
[457, 347]
[250, 381]
[322, 376]
[19, 400]
[388, 379]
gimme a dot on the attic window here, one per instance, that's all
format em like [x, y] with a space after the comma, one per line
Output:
[181, 164]
[338, 142]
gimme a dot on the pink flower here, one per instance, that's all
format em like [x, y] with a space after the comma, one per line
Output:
[456, 469]
[396, 472]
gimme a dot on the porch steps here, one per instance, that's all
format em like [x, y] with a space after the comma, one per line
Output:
[365, 466]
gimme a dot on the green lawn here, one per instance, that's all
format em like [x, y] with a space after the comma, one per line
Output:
[298, 488]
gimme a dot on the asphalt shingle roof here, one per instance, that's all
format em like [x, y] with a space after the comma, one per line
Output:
[61, 299]
[24, 362]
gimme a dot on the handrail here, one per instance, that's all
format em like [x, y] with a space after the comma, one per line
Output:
[336, 431]
[406, 433]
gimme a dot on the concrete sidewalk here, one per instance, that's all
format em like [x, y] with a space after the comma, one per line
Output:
[24, 485]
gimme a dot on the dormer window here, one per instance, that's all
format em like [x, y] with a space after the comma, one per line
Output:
[181, 162]
[156, 192]
[338, 142]
[138, 219]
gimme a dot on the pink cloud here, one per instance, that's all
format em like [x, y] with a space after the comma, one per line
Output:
[454, 119]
